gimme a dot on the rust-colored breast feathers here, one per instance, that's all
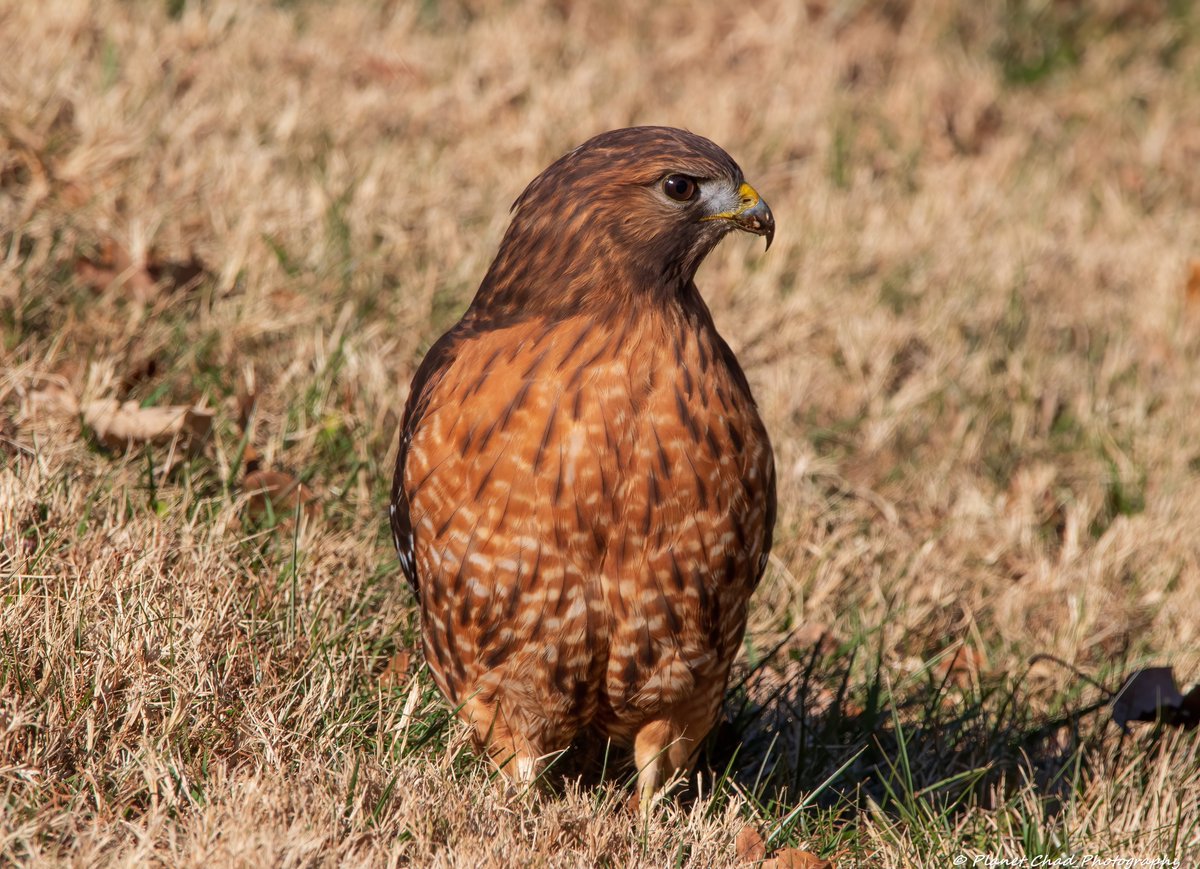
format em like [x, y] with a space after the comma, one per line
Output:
[588, 509]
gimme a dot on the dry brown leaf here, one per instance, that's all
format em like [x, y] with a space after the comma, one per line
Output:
[119, 426]
[377, 69]
[1191, 298]
[396, 670]
[282, 491]
[251, 459]
[143, 279]
[750, 845]
[113, 264]
[51, 399]
[74, 194]
[794, 858]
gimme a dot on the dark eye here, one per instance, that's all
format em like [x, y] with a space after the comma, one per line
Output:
[679, 187]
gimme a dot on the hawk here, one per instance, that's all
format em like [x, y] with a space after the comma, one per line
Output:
[584, 494]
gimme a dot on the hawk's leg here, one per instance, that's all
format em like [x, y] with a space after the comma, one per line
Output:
[666, 746]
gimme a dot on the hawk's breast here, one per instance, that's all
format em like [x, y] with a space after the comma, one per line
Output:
[590, 499]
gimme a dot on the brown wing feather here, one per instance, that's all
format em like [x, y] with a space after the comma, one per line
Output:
[424, 382]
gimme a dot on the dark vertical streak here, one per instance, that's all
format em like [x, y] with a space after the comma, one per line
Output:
[672, 618]
[684, 416]
[701, 488]
[575, 345]
[487, 436]
[648, 519]
[722, 397]
[495, 657]
[466, 441]
[445, 525]
[645, 646]
[545, 441]
[558, 481]
[662, 456]
[516, 404]
[735, 436]
[487, 476]
[676, 573]
[711, 437]
[533, 366]
[629, 674]
[587, 365]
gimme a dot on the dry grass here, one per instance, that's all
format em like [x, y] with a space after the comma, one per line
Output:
[972, 342]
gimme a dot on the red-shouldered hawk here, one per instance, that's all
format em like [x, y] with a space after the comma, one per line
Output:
[584, 495]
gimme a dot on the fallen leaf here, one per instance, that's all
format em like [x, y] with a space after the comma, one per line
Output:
[750, 845]
[143, 278]
[1148, 695]
[395, 671]
[113, 264]
[51, 399]
[250, 459]
[794, 858]
[1191, 298]
[119, 426]
[74, 194]
[375, 68]
[282, 491]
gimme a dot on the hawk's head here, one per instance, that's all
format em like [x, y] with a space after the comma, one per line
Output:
[629, 212]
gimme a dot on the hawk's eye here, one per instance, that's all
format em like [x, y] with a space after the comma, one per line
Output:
[679, 187]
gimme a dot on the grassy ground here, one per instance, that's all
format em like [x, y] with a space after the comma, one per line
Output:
[973, 342]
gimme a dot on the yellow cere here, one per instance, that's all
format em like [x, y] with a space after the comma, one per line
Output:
[748, 197]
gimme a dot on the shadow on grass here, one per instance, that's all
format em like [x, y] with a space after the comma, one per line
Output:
[817, 739]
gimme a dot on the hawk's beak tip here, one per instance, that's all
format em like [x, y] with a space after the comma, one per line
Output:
[759, 220]
[754, 215]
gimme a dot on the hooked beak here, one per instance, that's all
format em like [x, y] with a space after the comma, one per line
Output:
[752, 214]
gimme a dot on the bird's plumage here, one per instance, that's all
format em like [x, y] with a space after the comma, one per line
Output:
[584, 494]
